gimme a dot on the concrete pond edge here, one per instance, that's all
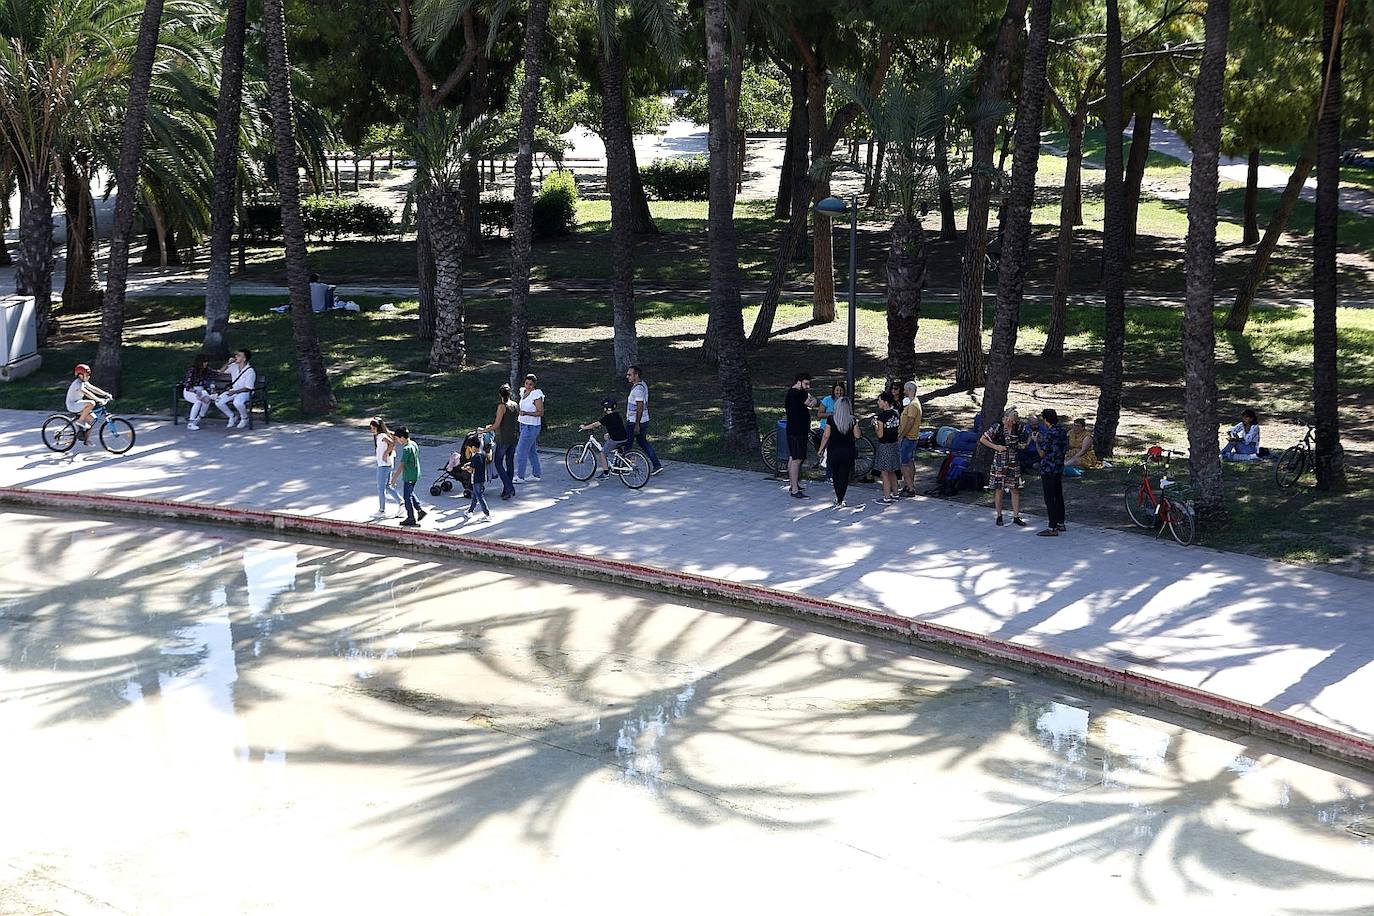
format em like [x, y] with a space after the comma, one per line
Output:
[1148, 689]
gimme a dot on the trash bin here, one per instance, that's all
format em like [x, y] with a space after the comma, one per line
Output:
[783, 455]
[18, 338]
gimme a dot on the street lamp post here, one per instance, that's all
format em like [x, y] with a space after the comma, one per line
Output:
[835, 206]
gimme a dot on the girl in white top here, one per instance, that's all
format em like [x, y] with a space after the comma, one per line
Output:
[531, 419]
[384, 449]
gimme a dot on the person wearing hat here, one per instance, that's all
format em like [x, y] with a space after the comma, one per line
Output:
[1051, 442]
[616, 436]
[82, 399]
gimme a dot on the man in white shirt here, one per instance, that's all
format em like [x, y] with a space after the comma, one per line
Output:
[637, 417]
[243, 379]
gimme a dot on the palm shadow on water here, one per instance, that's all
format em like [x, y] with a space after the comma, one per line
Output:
[507, 712]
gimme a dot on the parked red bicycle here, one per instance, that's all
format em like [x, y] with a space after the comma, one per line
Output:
[1151, 507]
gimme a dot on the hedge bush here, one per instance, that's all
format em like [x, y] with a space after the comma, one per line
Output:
[496, 214]
[677, 179]
[336, 216]
[555, 206]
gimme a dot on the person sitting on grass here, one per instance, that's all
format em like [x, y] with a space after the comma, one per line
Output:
[1081, 454]
[1243, 439]
[83, 398]
[615, 438]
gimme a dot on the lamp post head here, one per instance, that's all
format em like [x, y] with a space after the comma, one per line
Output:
[832, 206]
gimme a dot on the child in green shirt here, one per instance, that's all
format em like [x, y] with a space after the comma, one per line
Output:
[408, 472]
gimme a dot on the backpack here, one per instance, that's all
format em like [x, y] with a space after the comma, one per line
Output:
[952, 471]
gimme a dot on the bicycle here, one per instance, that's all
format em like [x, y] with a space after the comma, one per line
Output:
[1148, 508]
[629, 464]
[1295, 460]
[865, 450]
[116, 433]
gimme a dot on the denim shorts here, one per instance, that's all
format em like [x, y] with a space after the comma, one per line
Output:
[908, 450]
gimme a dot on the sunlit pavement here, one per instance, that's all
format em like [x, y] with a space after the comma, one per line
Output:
[198, 720]
[1283, 637]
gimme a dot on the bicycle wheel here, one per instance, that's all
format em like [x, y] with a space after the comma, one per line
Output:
[637, 474]
[59, 433]
[1181, 521]
[581, 461]
[768, 450]
[117, 435]
[1290, 466]
[1138, 506]
[864, 453]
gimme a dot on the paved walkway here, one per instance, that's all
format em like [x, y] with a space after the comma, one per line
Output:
[1285, 638]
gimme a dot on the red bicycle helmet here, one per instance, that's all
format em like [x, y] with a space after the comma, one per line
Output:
[80, 368]
[1155, 453]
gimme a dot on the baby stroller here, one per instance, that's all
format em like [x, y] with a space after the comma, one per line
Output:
[453, 470]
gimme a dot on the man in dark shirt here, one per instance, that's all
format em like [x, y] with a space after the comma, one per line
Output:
[1051, 441]
[616, 436]
[798, 405]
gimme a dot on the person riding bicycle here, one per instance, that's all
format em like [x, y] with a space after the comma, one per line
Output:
[616, 435]
[82, 400]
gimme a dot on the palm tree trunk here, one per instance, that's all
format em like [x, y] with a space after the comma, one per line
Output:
[446, 226]
[739, 426]
[108, 362]
[316, 396]
[822, 249]
[225, 192]
[424, 270]
[906, 278]
[1069, 204]
[798, 139]
[33, 273]
[1329, 457]
[970, 368]
[1135, 165]
[876, 188]
[1240, 309]
[522, 216]
[620, 178]
[1199, 266]
[1113, 247]
[1011, 275]
[1251, 232]
[79, 290]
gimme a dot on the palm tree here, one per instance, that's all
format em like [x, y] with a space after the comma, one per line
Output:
[1329, 458]
[969, 365]
[522, 217]
[1199, 266]
[1011, 275]
[225, 181]
[316, 396]
[54, 55]
[723, 68]
[442, 148]
[658, 17]
[1113, 246]
[108, 361]
[911, 122]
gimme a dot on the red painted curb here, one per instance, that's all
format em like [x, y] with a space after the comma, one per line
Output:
[1150, 689]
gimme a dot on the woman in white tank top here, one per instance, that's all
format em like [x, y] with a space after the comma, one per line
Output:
[384, 451]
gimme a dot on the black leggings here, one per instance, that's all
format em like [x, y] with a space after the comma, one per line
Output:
[841, 467]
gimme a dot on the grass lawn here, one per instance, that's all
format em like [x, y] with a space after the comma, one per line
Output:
[1354, 176]
[377, 366]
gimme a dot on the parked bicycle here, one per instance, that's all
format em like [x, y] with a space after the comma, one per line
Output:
[629, 464]
[116, 434]
[1296, 460]
[863, 459]
[1151, 508]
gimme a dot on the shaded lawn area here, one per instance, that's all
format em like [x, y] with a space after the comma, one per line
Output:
[378, 367]
[677, 258]
[1354, 176]
[1355, 232]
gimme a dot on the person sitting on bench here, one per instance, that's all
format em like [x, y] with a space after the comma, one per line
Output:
[243, 378]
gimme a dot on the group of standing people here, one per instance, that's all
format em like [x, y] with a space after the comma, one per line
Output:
[1051, 444]
[514, 452]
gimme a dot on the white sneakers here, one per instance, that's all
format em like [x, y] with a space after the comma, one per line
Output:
[243, 424]
[193, 426]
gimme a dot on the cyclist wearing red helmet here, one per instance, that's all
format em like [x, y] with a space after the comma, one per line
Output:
[82, 398]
